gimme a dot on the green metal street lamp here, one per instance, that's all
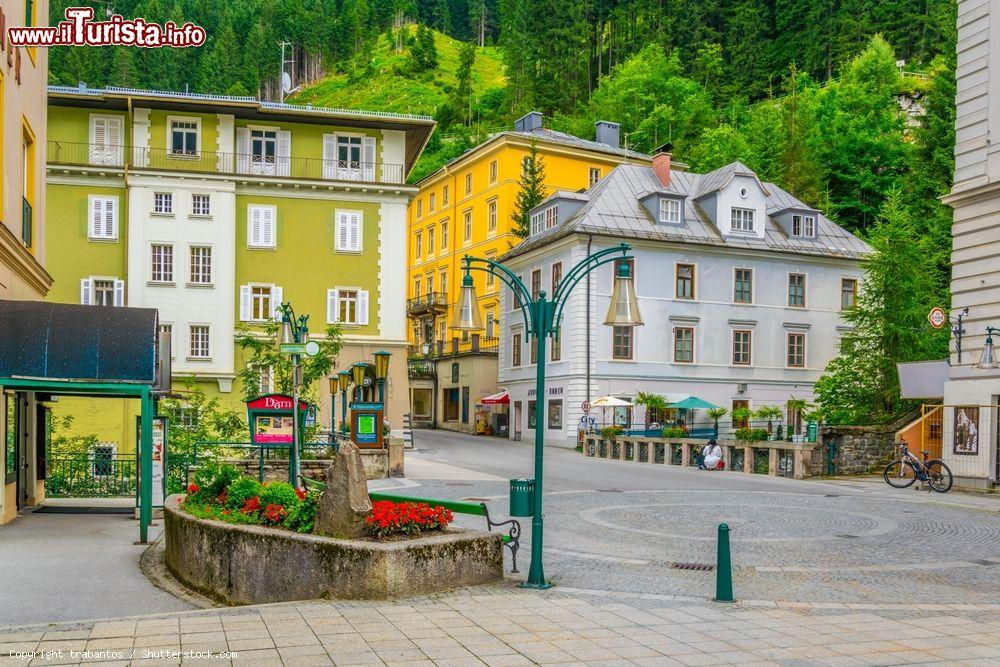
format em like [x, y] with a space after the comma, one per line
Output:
[344, 378]
[294, 330]
[541, 319]
[381, 373]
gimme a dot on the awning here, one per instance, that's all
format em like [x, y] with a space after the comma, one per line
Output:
[692, 403]
[610, 402]
[923, 379]
[59, 341]
[499, 398]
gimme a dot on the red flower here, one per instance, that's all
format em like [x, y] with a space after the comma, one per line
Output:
[251, 505]
[193, 488]
[301, 493]
[274, 513]
[389, 518]
[222, 496]
[227, 512]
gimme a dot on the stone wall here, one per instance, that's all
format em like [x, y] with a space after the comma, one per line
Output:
[376, 466]
[238, 564]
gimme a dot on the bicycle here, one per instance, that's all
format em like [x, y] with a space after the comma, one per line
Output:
[908, 469]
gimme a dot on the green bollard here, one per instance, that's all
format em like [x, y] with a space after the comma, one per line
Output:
[723, 568]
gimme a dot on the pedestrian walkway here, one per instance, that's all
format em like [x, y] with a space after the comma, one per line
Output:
[503, 625]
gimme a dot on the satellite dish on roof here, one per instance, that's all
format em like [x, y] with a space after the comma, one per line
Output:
[286, 82]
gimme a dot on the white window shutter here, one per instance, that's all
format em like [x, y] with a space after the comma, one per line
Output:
[85, 293]
[115, 128]
[120, 293]
[244, 303]
[268, 228]
[99, 128]
[329, 156]
[97, 218]
[354, 226]
[362, 307]
[110, 219]
[284, 152]
[254, 225]
[368, 158]
[277, 297]
[242, 150]
[332, 306]
[343, 235]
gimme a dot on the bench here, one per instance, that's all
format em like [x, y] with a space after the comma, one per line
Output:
[512, 540]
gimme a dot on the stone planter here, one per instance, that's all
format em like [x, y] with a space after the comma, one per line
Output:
[252, 564]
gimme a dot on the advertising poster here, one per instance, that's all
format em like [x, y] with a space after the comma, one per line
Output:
[274, 429]
[159, 460]
[967, 430]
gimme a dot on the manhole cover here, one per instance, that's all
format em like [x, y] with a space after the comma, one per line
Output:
[699, 567]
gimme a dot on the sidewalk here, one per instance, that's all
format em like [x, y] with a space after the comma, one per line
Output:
[503, 625]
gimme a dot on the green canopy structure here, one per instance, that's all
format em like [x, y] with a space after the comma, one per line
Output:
[692, 403]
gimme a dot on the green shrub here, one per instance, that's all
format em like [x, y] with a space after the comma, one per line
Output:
[278, 493]
[611, 432]
[674, 432]
[242, 490]
[303, 515]
[751, 434]
[213, 478]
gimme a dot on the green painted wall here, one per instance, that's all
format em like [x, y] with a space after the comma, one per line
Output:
[304, 263]
[307, 139]
[70, 254]
[158, 128]
[72, 125]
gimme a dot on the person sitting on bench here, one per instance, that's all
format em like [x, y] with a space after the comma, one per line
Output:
[710, 456]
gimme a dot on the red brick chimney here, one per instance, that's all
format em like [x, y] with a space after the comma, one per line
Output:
[661, 165]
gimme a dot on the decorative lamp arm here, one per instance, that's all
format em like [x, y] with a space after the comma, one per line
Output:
[508, 278]
[564, 294]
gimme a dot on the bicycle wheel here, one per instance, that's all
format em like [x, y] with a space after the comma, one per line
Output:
[939, 476]
[898, 476]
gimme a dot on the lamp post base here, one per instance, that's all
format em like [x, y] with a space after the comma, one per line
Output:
[538, 587]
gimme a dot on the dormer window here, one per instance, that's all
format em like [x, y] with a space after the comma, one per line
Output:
[804, 226]
[545, 219]
[742, 219]
[670, 211]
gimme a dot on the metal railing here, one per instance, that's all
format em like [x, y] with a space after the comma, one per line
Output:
[91, 476]
[236, 164]
[26, 224]
[456, 346]
[182, 467]
[426, 301]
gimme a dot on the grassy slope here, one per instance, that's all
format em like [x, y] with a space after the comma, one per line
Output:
[390, 90]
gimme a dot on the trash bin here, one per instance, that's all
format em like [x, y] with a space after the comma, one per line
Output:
[522, 497]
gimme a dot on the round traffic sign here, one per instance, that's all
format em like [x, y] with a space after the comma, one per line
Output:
[585, 406]
[937, 317]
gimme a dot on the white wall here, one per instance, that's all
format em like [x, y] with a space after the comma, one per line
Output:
[182, 304]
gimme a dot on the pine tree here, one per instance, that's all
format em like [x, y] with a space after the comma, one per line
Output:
[532, 191]
[463, 90]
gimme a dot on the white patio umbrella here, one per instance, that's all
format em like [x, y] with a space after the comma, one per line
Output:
[605, 402]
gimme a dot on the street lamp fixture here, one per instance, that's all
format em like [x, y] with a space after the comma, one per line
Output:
[466, 317]
[382, 364]
[987, 361]
[344, 377]
[542, 318]
[623, 311]
[294, 330]
[358, 373]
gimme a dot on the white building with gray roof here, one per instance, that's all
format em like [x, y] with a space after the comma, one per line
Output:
[741, 287]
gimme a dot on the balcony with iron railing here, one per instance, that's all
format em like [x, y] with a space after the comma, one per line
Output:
[432, 302]
[441, 349]
[212, 162]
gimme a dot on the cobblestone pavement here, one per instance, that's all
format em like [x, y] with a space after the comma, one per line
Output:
[504, 626]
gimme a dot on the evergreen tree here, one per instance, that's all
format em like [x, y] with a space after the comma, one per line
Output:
[424, 50]
[532, 191]
[888, 324]
[463, 90]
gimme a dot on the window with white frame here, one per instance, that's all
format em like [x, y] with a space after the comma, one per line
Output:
[430, 240]
[162, 263]
[683, 345]
[264, 378]
[183, 137]
[200, 341]
[201, 265]
[491, 279]
[670, 211]
[420, 207]
[168, 329]
[443, 281]
[261, 226]
[100, 291]
[551, 216]
[491, 215]
[537, 222]
[468, 183]
[444, 235]
[491, 320]
[201, 205]
[103, 225]
[467, 225]
[418, 245]
[347, 305]
[106, 140]
[259, 303]
[804, 226]
[163, 203]
[431, 202]
[594, 175]
[444, 196]
[796, 350]
[742, 219]
[349, 231]
[493, 171]
[742, 347]
[263, 146]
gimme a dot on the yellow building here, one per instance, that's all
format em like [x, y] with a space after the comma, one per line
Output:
[466, 207]
[23, 77]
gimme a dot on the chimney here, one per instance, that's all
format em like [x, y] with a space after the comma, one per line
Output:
[608, 133]
[529, 122]
[661, 164]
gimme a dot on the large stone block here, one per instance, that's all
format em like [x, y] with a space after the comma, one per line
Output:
[345, 504]
[252, 564]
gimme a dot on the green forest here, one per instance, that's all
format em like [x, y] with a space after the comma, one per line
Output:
[848, 104]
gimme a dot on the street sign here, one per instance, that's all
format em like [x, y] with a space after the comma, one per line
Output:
[310, 349]
[585, 406]
[937, 317]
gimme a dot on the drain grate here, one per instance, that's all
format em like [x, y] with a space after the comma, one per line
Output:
[698, 567]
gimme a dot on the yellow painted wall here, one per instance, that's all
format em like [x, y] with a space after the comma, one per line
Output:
[566, 168]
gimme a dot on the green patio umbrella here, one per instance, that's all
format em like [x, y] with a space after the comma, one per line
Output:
[692, 403]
